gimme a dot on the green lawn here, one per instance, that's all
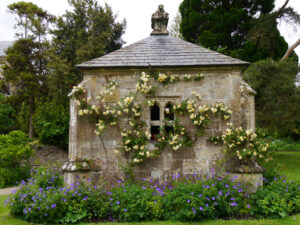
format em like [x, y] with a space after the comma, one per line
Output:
[290, 168]
[290, 164]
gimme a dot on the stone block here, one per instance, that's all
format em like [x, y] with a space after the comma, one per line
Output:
[252, 180]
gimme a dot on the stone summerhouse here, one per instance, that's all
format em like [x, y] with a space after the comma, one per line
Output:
[169, 55]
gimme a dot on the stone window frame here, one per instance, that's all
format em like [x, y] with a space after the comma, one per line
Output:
[162, 102]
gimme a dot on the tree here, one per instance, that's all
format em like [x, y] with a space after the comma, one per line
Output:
[6, 116]
[243, 29]
[87, 32]
[27, 59]
[277, 101]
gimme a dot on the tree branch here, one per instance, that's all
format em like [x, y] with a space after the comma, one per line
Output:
[290, 50]
[279, 11]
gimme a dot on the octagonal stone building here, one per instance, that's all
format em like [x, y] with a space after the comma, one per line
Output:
[165, 54]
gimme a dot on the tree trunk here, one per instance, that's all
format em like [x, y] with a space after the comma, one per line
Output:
[290, 50]
[31, 111]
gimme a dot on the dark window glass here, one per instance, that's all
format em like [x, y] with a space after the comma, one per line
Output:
[154, 112]
[154, 131]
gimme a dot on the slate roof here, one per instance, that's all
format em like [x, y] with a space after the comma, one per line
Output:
[5, 45]
[162, 51]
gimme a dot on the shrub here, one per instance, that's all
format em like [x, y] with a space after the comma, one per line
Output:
[14, 154]
[130, 202]
[278, 199]
[51, 123]
[56, 204]
[208, 197]
[6, 116]
[44, 200]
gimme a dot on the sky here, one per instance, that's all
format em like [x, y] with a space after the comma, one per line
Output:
[137, 13]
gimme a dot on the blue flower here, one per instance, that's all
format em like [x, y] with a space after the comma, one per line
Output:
[118, 202]
[194, 211]
[201, 208]
[53, 206]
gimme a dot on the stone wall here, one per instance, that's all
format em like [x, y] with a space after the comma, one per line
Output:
[219, 84]
[49, 155]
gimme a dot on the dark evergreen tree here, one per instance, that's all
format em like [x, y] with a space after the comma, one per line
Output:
[277, 101]
[87, 32]
[242, 29]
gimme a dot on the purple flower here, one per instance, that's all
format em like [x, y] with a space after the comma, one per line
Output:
[201, 208]
[192, 193]
[53, 206]
[144, 187]
[85, 198]
[118, 202]
[213, 198]
[206, 204]
[248, 206]
[227, 186]
[200, 195]
[194, 211]
[188, 201]
[125, 210]
[233, 204]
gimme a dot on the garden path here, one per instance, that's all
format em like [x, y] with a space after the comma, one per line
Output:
[7, 191]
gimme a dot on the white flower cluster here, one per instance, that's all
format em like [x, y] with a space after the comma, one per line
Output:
[124, 103]
[77, 89]
[244, 144]
[162, 77]
[150, 102]
[175, 142]
[100, 126]
[108, 90]
[83, 112]
[142, 84]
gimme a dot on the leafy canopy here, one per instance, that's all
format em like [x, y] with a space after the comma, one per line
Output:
[242, 29]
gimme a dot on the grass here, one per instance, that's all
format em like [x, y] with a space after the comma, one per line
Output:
[290, 168]
[290, 164]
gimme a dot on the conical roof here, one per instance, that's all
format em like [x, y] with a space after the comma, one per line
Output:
[162, 51]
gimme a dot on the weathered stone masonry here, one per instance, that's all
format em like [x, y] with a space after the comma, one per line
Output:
[222, 82]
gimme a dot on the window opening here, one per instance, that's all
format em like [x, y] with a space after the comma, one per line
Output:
[154, 112]
[169, 112]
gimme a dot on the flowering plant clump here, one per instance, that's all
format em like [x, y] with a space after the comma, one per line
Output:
[136, 136]
[201, 115]
[177, 138]
[53, 203]
[211, 196]
[183, 198]
[244, 144]
[279, 199]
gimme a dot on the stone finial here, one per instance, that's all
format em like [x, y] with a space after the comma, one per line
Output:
[159, 21]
